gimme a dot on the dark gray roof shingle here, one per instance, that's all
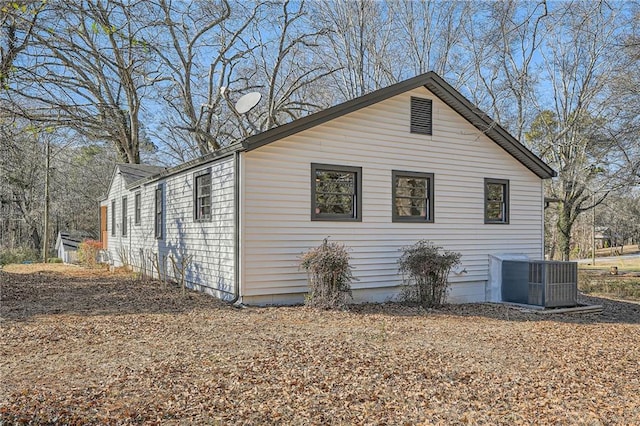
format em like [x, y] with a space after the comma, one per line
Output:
[134, 172]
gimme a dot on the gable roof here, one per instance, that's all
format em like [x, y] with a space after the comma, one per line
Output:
[138, 174]
[438, 87]
[134, 172]
[131, 173]
[72, 239]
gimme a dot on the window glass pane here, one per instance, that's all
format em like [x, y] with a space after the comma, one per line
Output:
[494, 210]
[411, 196]
[124, 216]
[411, 187]
[335, 182]
[158, 221]
[334, 204]
[495, 192]
[203, 196]
[411, 207]
[203, 184]
[495, 203]
[335, 192]
[113, 218]
[137, 208]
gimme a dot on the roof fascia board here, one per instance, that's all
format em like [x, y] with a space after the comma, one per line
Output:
[501, 135]
[304, 123]
[105, 197]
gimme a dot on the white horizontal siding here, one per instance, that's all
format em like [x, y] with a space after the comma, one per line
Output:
[276, 178]
[209, 243]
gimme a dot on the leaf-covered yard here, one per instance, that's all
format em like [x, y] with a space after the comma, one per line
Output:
[83, 347]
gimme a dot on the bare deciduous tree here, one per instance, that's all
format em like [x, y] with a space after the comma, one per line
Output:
[87, 69]
[360, 44]
[21, 189]
[624, 96]
[569, 134]
[288, 67]
[17, 21]
[429, 34]
[504, 51]
[200, 47]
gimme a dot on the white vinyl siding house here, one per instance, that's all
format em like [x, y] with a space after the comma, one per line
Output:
[210, 244]
[333, 174]
[377, 138]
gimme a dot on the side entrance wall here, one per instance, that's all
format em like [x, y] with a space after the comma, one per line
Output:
[207, 244]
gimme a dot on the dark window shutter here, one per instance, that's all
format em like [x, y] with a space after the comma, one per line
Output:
[421, 113]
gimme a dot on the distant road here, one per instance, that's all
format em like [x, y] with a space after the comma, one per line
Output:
[610, 258]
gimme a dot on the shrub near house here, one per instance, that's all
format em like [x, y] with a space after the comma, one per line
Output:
[329, 275]
[425, 271]
[88, 252]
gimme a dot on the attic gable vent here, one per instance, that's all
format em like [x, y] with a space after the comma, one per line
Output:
[421, 113]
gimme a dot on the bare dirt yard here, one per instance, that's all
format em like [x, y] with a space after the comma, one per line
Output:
[89, 347]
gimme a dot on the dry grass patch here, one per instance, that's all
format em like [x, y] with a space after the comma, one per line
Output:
[625, 285]
[631, 264]
[598, 281]
[104, 349]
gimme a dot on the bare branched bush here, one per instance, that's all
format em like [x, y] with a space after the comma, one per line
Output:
[88, 253]
[180, 268]
[123, 256]
[154, 259]
[330, 275]
[144, 276]
[425, 272]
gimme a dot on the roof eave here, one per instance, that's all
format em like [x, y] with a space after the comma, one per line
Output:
[221, 153]
[490, 127]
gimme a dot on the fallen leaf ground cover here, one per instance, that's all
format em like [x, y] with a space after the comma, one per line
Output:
[89, 347]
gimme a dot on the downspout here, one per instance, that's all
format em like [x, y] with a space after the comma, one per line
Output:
[544, 224]
[129, 224]
[236, 227]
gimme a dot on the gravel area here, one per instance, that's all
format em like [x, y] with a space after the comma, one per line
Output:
[89, 347]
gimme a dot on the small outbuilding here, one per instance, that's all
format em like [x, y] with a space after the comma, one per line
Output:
[67, 244]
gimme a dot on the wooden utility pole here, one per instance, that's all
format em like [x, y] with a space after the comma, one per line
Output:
[593, 231]
[45, 240]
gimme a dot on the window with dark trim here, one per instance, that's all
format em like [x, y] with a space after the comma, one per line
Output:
[124, 216]
[113, 218]
[336, 192]
[421, 116]
[412, 197]
[496, 201]
[202, 195]
[158, 212]
[137, 209]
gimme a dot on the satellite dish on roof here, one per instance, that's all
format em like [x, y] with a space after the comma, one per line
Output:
[247, 102]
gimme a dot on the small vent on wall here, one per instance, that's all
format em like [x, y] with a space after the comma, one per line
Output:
[421, 115]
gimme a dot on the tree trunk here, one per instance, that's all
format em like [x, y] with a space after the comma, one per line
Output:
[565, 223]
[36, 241]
